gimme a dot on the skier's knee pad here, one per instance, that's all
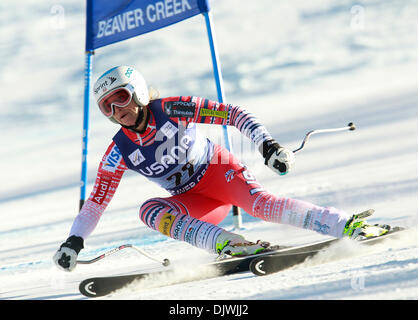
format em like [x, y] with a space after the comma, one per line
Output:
[150, 210]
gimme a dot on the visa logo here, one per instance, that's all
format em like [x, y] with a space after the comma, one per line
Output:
[112, 160]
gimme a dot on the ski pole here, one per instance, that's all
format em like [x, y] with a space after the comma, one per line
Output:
[349, 127]
[164, 262]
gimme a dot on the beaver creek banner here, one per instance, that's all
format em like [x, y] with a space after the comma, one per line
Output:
[110, 21]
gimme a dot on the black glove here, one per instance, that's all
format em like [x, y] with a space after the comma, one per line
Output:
[276, 157]
[66, 256]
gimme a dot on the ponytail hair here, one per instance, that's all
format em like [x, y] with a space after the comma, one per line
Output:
[154, 94]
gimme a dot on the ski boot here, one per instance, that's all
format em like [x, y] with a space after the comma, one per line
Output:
[231, 244]
[357, 228]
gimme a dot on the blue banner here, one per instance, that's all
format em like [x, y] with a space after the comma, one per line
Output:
[110, 21]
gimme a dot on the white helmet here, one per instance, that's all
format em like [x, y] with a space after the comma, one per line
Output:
[122, 76]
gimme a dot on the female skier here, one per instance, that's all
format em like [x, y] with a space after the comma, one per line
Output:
[159, 140]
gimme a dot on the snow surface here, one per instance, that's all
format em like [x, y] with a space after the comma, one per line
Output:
[298, 67]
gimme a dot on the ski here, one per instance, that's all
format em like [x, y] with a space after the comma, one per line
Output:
[260, 264]
[285, 259]
[101, 286]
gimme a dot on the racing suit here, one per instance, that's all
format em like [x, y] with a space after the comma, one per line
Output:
[203, 178]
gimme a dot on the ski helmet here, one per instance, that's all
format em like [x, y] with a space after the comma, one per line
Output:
[122, 76]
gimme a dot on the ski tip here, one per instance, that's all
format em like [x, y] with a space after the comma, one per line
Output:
[396, 229]
[365, 214]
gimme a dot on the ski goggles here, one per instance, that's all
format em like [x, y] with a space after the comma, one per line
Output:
[119, 97]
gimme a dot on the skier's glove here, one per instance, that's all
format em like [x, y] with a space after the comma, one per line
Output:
[277, 158]
[66, 256]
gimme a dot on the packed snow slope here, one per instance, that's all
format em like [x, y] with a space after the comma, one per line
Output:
[298, 67]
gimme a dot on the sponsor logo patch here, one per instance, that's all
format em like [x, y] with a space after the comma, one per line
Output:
[102, 189]
[112, 79]
[180, 109]
[136, 157]
[213, 113]
[166, 223]
[112, 160]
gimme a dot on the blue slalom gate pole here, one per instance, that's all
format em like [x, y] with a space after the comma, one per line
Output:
[219, 88]
[86, 117]
[216, 70]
